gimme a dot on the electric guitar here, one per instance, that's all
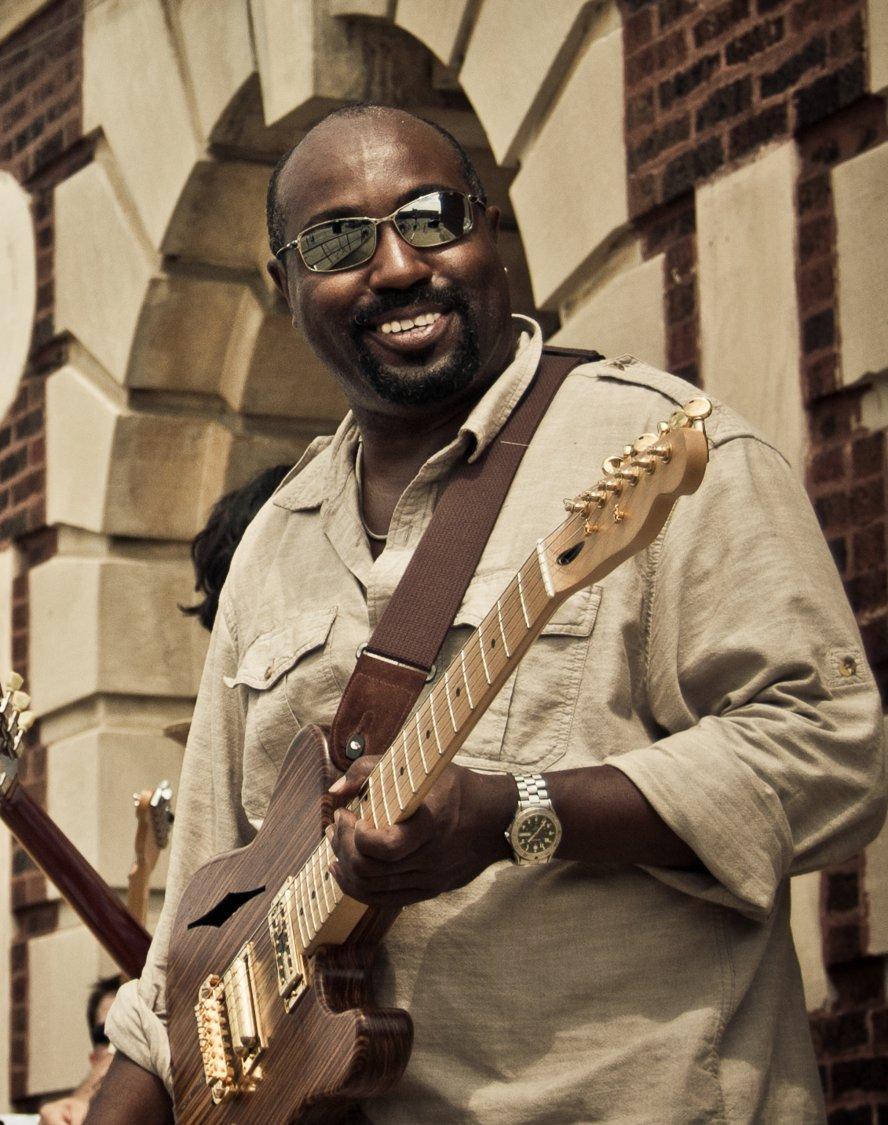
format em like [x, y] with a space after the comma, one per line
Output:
[270, 1012]
[78, 882]
[154, 819]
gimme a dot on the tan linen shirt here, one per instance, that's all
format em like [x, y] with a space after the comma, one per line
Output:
[720, 669]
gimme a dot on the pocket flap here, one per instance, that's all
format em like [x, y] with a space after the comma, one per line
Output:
[274, 653]
[480, 597]
[576, 616]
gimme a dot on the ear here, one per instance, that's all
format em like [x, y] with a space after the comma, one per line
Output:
[278, 275]
[493, 216]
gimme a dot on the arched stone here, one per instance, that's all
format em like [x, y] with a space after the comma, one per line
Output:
[440, 26]
[622, 313]
[18, 285]
[218, 52]
[133, 90]
[511, 71]
[102, 267]
[570, 199]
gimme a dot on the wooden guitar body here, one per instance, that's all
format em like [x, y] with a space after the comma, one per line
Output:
[333, 1048]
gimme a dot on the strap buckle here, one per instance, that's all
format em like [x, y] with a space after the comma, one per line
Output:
[362, 649]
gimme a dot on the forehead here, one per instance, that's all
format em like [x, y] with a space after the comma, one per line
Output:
[363, 165]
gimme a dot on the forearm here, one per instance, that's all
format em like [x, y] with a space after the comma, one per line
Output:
[130, 1095]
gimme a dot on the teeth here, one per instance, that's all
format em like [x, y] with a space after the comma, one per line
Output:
[421, 321]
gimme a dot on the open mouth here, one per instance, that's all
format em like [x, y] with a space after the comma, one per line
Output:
[402, 333]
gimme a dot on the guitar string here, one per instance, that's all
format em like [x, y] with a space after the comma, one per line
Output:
[531, 591]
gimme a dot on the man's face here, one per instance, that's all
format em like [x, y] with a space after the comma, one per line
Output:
[370, 165]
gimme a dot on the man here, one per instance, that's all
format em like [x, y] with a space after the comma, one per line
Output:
[703, 722]
[72, 1109]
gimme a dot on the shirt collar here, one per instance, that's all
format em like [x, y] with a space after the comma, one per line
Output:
[324, 470]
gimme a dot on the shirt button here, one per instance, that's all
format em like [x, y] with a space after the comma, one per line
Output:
[848, 667]
[270, 669]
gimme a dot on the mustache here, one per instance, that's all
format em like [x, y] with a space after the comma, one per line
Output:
[447, 296]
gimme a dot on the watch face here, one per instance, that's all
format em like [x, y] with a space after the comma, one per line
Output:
[536, 833]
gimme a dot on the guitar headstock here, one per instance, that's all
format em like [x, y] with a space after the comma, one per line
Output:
[155, 818]
[629, 505]
[15, 721]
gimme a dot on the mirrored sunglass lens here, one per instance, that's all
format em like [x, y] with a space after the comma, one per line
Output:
[338, 244]
[435, 219]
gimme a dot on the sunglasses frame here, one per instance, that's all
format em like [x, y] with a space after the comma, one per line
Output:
[297, 241]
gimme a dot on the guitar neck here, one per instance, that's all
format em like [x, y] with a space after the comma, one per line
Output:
[79, 883]
[431, 739]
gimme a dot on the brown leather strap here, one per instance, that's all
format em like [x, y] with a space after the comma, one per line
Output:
[401, 653]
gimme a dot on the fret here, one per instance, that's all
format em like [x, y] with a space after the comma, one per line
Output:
[458, 698]
[326, 878]
[521, 597]
[313, 904]
[407, 756]
[305, 905]
[480, 635]
[395, 771]
[513, 621]
[499, 614]
[432, 697]
[450, 701]
[422, 757]
[373, 815]
[462, 659]
[385, 804]
[299, 910]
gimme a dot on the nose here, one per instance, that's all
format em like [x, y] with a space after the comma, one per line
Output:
[396, 264]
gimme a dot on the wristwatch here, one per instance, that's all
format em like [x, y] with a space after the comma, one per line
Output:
[535, 831]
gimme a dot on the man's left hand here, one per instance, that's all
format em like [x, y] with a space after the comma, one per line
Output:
[452, 837]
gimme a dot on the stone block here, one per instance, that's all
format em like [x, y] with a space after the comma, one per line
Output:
[363, 9]
[217, 45]
[270, 369]
[877, 43]
[92, 777]
[62, 968]
[624, 313]
[861, 208]
[113, 470]
[183, 333]
[570, 198]
[134, 92]
[439, 26]
[522, 49]
[749, 335]
[18, 285]
[220, 217]
[10, 564]
[807, 938]
[112, 626]
[13, 13]
[102, 267]
[284, 34]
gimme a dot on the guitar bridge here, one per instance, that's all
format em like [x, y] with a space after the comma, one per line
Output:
[229, 1030]
[291, 964]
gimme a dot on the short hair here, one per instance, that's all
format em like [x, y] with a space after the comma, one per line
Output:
[274, 215]
[213, 547]
[104, 986]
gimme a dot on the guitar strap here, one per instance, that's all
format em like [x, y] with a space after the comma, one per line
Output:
[399, 659]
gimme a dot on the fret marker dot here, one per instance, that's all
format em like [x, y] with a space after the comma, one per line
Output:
[458, 690]
[493, 642]
[401, 771]
[428, 734]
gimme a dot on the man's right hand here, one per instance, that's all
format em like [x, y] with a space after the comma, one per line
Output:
[130, 1095]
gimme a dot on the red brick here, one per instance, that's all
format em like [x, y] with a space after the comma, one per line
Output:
[840, 1033]
[638, 30]
[816, 283]
[868, 454]
[869, 549]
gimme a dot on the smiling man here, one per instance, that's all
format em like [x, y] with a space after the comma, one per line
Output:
[685, 751]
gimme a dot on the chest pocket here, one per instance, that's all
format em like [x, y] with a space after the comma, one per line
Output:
[267, 675]
[547, 683]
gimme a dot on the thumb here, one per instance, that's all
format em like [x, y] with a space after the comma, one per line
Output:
[351, 782]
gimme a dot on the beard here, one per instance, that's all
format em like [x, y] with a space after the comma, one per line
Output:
[422, 383]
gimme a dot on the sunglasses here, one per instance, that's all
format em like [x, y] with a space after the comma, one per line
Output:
[431, 220]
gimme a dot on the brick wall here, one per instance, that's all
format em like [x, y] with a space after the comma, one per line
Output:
[40, 144]
[706, 85]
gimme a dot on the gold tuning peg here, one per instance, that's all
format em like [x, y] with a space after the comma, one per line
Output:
[628, 450]
[575, 505]
[26, 720]
[20, 700]
[678, 419]
[662, 428]
[697, 409]
[630, 473]
[13, 682]
[645, 461]
[611, 465]
[642, 443]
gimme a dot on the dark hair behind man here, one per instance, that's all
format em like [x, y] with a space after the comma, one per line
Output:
[104, 986]
[213, 547]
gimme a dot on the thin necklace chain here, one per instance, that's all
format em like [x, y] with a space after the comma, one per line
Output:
[359, 478]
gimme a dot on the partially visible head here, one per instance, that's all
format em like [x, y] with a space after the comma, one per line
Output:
[370, 160]
[214, 545]
[98, 1005]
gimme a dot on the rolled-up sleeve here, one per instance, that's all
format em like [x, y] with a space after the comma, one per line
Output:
[209, 820]
[772, 759]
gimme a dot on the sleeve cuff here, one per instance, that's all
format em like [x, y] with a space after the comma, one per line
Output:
[732, 820]
[137, 1031]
